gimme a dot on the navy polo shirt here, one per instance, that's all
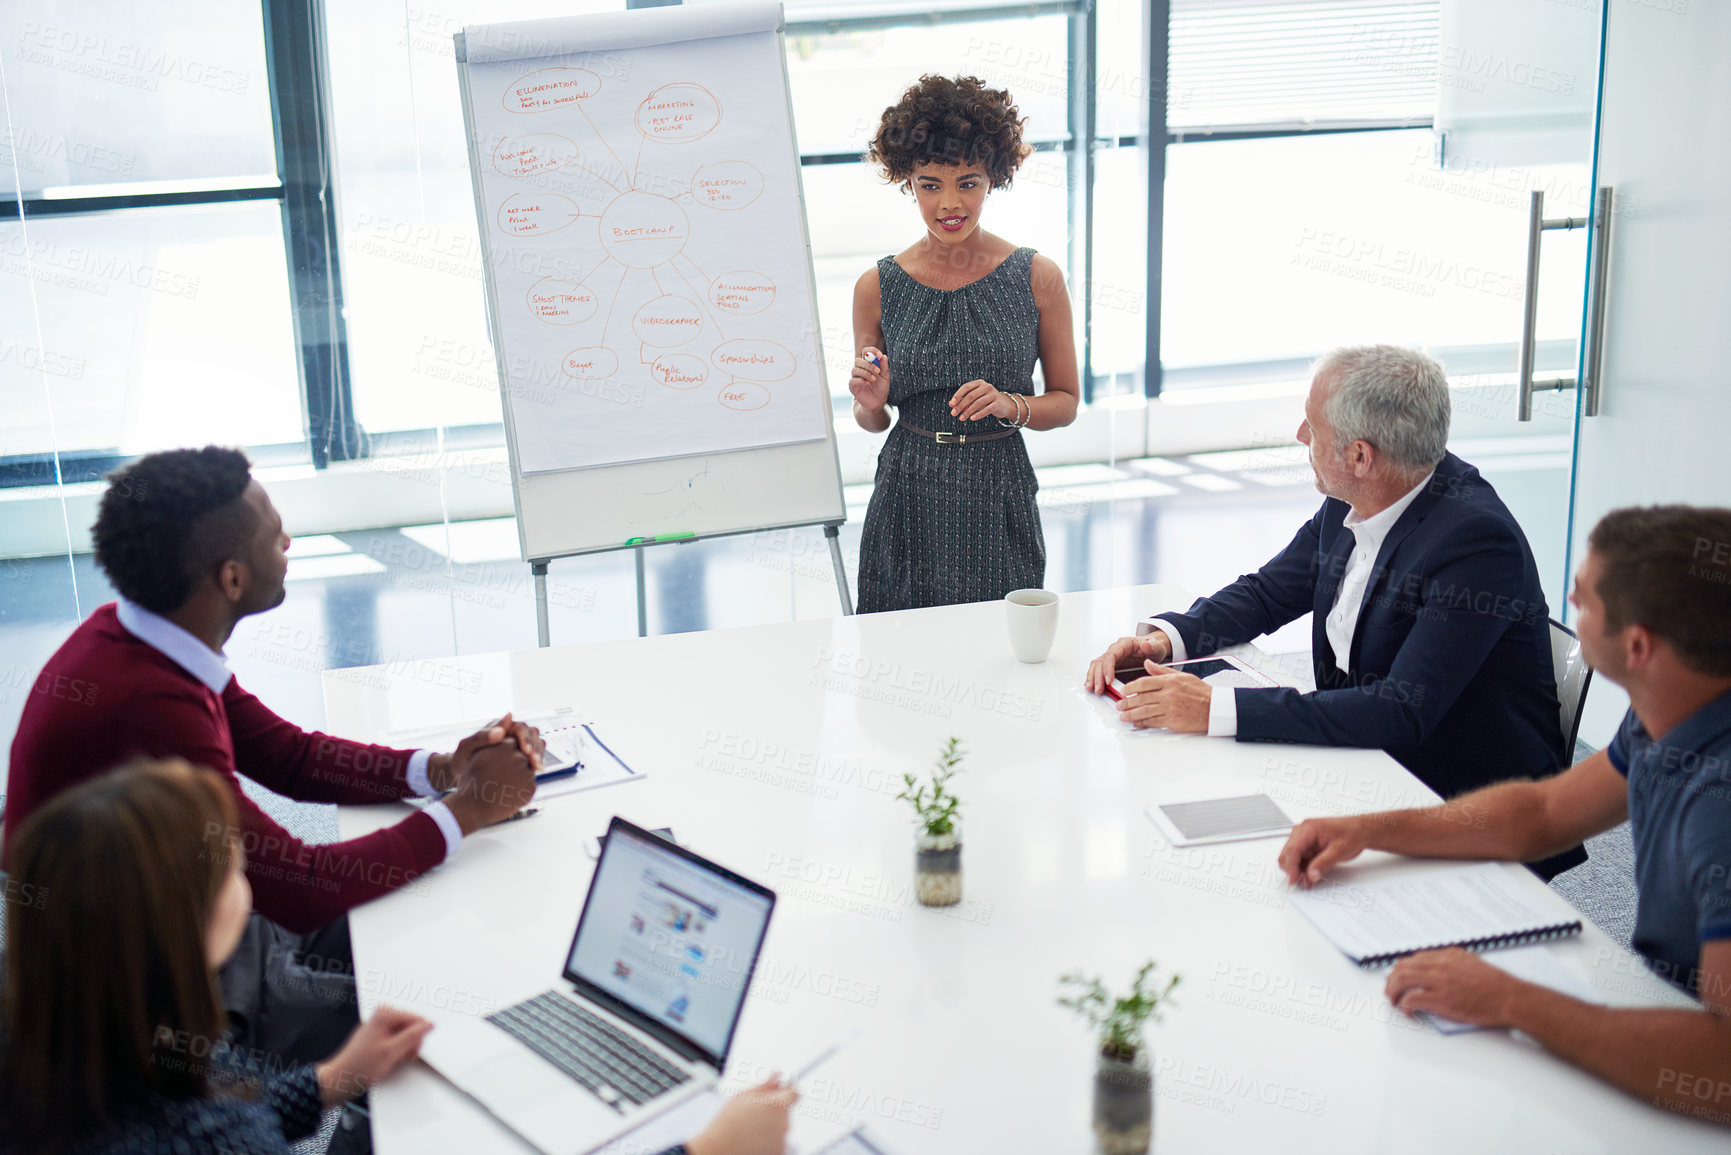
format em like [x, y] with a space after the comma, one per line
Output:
[1680, 816]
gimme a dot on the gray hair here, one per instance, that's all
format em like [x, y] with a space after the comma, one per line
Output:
[1397, 399]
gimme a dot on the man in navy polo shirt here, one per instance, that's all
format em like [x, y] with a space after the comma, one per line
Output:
[1654, 602]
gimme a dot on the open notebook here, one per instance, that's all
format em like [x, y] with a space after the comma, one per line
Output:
[1380, 915]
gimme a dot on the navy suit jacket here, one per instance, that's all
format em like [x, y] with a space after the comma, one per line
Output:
[1450, 670]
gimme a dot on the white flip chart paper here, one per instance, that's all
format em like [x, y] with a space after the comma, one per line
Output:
[647, 246]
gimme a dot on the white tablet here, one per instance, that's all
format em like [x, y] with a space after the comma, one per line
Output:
[1236, 819]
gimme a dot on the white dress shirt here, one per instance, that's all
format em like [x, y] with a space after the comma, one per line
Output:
[1342, 622]
[210, 667]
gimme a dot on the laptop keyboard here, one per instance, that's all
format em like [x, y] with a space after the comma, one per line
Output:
[606, 1060]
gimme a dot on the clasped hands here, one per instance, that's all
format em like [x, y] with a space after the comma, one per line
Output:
[491, 774]
[977, 400]
[1164, 699]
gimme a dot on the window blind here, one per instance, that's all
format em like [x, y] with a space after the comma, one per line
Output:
[1297, 63]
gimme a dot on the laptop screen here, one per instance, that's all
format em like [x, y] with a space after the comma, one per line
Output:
[671, 936]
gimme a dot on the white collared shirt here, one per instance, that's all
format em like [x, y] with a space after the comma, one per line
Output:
[1368, 535]
[211, 668]
[175, 644]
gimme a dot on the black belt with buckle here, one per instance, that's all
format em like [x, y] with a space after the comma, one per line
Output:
[945, 437]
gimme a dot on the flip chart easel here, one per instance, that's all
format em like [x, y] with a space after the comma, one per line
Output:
[652, 308]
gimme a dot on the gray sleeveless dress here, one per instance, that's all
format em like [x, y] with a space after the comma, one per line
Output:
[953, 523]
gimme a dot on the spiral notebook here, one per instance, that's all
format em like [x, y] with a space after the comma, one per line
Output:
[1383, 914]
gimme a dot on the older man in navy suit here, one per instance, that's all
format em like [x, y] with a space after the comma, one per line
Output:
[1430, 638]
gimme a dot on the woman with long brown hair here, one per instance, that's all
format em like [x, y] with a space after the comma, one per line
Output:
[128, 893]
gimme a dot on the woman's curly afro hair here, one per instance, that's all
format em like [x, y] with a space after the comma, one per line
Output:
[947, 121]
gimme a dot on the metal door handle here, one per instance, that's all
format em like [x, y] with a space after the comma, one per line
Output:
[1600, 260]
[1536, 226]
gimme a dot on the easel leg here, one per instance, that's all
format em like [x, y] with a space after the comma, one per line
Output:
[833, 533]
[642, 598]
[539, 569]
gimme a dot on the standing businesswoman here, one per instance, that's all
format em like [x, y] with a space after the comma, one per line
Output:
[128, 893]
[947, 332]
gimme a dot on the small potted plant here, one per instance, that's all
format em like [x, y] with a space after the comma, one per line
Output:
[1124, 1078]
[938, 850]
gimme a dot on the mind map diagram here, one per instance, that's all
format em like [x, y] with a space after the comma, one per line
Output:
[644, 296]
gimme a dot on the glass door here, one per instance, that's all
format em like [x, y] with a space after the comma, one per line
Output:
[1518, 89]
[1347, 171]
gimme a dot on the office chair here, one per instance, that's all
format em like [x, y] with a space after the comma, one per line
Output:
[1573, 677]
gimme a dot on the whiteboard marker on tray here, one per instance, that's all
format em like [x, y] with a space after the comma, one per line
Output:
[687, 536]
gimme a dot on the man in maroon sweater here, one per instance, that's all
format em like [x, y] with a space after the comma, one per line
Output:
[193, 544]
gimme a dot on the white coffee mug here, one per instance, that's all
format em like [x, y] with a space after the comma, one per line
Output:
[1033, 621]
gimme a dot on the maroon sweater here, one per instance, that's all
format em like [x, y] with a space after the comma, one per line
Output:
[105, 697]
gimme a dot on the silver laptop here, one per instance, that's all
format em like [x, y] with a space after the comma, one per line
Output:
[657, 973]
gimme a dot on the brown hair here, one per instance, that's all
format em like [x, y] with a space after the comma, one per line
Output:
[1668, 567]
[946, 121]
[106, 975]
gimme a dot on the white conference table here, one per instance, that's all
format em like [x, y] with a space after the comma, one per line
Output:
[777, 750]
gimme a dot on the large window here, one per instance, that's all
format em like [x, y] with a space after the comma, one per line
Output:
[144, 285]
[419, 352]
[1280, 247]
[123, 324]
[1323, 185]
[265, 235]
